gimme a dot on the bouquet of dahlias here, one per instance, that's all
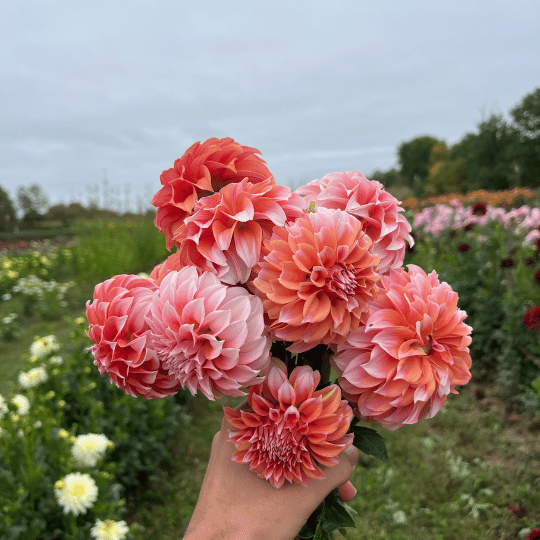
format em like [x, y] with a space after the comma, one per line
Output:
[266, 291]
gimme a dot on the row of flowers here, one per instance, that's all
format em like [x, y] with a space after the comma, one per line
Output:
[67, 462]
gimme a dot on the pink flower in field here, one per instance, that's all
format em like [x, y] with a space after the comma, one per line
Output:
[203, 169]
[225, 234]
[412, 351]
[317, 278]
[291, 428]
[120, 335]
[377, 210]
[208, 336]
[172, 263]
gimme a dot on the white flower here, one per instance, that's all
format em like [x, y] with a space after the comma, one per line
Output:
[109, 530]
[56, 360]
[32, 378]
[3, 407]
[89, 449]
[76, 493]
[22, 403]
[399, 517]
[6, 296]
[44, 346]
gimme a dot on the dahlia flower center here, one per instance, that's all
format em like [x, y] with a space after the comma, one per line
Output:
[277, 447]
[77, 490]
[339, 280]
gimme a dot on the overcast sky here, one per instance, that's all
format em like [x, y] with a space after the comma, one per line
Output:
[321, 86]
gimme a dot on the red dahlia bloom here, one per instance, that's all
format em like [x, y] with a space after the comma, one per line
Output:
[204, 168]
[464, 247]
[533, 534]
[479, 209]
[531, 319]
[291, 428]
[120, 335]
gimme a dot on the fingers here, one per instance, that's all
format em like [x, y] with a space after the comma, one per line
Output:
[346, 491]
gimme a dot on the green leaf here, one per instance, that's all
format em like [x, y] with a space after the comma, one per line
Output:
[536, 385]
[370, 442]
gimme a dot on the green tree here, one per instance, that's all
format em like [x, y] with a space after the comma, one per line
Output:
[414, 160]
[8, 216]
[32, 202]
[526, 125]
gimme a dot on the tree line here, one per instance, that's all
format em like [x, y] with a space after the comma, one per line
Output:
[499, 155]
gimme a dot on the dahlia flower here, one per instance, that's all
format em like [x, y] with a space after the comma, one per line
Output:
[22, 403]
[202, 170]
[41, 347]
[531, 319]
[76, 493]
[377, 210]
[119, 332]
[317, 278]
[208, 336]
[88, 449]
[109, 530]
[161, 270]
[409, 355]
[32, 378]
[225, 233]
[291, 428]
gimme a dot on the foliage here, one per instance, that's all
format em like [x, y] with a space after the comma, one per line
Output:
[8, 217]
[75, 399]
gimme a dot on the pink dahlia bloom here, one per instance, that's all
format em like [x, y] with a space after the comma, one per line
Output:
[317, 278]
[172, 263]
[378, 211]
[120, 335]
[208, 336]
[412, 351]
[226, 231]
[291, 428]
[204, 168]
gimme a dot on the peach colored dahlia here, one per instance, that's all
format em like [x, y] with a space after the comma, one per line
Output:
[209, 336]
[226, 231]
[291, 428]
[316, 279]
[204, 168]
[412, 351]
[378, 211]
[119, 332]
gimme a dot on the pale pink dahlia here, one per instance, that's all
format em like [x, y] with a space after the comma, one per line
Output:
[291, 429]
[412, 351]
[119, 332]
[203, 169]
[378, 211]
[209, 336]
[225, 234]
[316, 279]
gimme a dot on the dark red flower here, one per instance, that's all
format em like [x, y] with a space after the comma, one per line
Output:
[538, 244]
[479, 395]
[507, 263]
[531, 319]
[469, 227]
[529, 261]
[517, 510]
[464, 247]
[479, 209]
[534, 534]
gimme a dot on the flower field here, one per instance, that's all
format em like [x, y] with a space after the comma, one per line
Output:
[80, 459]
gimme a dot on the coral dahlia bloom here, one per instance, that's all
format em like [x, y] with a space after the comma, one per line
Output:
[161, 270]
[291, 428]
[119, 332]
[317, 278]
[226, 231]
[209, 336]
[412, 351]
[378, 211]
[204, 168]
[531, 319]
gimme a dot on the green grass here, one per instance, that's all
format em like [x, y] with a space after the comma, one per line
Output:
[453, 476]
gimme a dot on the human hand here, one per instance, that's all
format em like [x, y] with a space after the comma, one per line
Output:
[235, 503]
